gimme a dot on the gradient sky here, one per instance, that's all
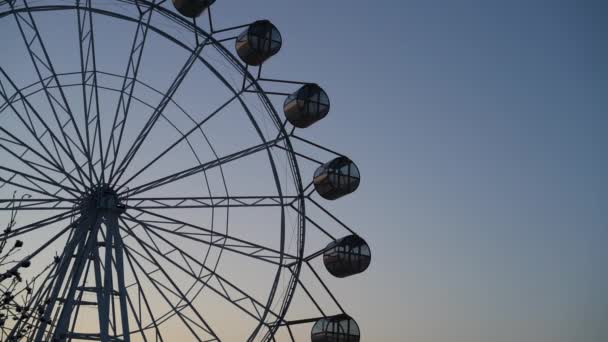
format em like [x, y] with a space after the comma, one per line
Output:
[480, 131]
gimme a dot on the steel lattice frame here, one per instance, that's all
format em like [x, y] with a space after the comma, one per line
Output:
[113, 226]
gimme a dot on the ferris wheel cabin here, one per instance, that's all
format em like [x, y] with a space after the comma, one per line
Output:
[340, 328]
[192, 8]
[337, 178]
[260, 41]
[347, 256]
[306, 106]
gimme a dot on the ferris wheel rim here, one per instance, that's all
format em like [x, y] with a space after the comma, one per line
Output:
[35, 90]
[215, 45]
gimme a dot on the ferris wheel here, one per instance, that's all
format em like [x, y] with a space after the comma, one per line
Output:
[157, 184]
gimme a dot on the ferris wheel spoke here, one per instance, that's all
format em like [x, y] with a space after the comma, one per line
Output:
[88, 65]
[55, 141]
[31, 128]
[128, 84]
[138, 314]
[14, 232]
[142, 296]
[43, 65]
[212, 238]
[16, 142]
[174, 306]
[221, 241]
[37, 189]
[184, 136]
[224, 289]
[141, 137]
[31, 164]
[149, 203]
[178, 292]
[175, 310]
[29, 178]
[212, 274]
[64, 179]
[199, 168]
[34, 166]
[34, 180]
[140, 328]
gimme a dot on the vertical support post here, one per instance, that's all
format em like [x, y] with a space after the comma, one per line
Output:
[114, 231]
[108, 285]
[77, 241]
[81, 259]
[103, 314]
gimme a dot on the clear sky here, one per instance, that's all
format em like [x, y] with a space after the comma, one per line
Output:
[480, 131]
[479, 128]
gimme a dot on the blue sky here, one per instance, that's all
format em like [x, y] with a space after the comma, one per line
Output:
[479, 128]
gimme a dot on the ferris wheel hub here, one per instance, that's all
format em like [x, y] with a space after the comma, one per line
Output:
[102, 199]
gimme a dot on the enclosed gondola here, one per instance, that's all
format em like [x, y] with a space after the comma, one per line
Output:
[347, 256]
[306, 106]
[340, 328]
[260, 41]
[336, 178]
[192, 8]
